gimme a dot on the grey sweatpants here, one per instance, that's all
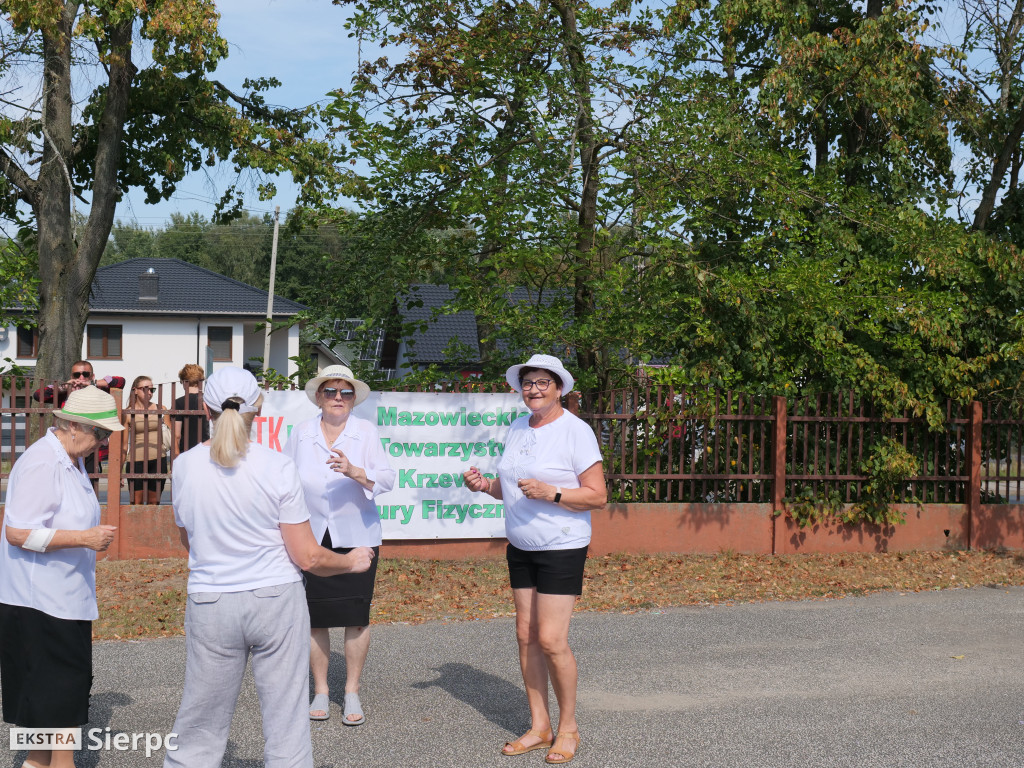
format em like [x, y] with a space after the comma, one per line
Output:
[222, 630]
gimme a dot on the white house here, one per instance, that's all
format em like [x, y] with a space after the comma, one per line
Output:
[152, 316]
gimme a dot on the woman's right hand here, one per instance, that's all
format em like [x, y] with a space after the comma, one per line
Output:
[99, 537]
[475, 481]
[361, 559]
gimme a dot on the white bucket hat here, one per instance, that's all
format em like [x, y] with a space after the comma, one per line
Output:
[231, 382]
[337, 372]
[90, 405]
[546, 362]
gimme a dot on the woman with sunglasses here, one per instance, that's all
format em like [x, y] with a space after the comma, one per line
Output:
[343, 467]
[145, 421]
[52, 533]
[550, 477]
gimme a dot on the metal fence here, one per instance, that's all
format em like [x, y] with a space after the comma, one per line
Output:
[663, 444]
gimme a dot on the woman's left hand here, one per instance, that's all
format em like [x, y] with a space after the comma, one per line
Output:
[339, 463]
[535, 489]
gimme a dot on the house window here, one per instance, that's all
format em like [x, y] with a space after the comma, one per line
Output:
[28, 342]
[219, 340]
[104, 342]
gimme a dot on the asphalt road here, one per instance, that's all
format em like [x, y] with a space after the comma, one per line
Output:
[916, 680]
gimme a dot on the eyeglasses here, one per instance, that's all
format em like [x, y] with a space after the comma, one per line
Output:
[101, 433]
[332, 392]
[146, 389]
[541, 384]
[81, 374]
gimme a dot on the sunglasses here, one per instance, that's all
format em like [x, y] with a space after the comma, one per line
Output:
[332, 392]
[146, 389]
[81, 374]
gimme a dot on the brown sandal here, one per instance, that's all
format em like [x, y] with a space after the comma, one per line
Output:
[518, 747]
[566, 755]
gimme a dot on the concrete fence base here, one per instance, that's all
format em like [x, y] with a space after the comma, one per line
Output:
[149, 531]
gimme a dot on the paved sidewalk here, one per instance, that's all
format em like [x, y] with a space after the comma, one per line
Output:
[916, 680]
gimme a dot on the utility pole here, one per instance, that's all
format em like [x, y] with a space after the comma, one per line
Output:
[270, 296]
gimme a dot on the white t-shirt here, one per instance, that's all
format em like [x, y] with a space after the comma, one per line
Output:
[557, 454]
[233, 518]
[47, 490]
[337, 503]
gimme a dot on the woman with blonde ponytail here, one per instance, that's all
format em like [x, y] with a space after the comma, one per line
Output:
[241, 516]
[231, 428]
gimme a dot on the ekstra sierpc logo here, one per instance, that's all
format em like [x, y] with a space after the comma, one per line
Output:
[66, 739]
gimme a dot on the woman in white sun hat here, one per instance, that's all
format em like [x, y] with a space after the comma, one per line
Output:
[52, 533]
[550, 477]
[343, 468]
[243, 519]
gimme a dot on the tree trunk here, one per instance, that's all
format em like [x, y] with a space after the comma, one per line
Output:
[999, 168]
[63, 297]
[66, 267]
[585, 250]
[859, 133]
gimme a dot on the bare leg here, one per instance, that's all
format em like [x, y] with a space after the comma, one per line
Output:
[357, 645]
[45, 758]
[552, 615]
[532, 664]
[319, 656]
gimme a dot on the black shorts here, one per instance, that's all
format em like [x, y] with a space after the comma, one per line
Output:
[45, 668]
[343, 600]
[550, 571]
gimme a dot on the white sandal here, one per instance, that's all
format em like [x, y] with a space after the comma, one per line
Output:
[353, 707]
[320, 703]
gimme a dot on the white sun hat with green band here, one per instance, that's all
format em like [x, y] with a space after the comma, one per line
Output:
[91, 406]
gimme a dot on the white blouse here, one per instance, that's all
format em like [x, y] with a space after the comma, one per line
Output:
[233, 518]
[337, 503]
[47, 490]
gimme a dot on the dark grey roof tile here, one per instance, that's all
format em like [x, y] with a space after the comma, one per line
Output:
[183, 289]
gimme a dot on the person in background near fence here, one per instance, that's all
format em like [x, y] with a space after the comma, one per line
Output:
[343, 467]
[190, 431]
[550, 476]
[243, 520]
[48, 574]
[82, 375]
[149, 439]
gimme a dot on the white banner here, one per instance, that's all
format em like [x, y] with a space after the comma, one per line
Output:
[431, 439]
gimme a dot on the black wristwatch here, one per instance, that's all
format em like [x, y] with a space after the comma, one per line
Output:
[558, 494]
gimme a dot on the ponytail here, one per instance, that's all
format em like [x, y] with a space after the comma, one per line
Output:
[230, 440]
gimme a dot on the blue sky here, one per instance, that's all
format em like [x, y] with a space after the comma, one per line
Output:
[300, 42]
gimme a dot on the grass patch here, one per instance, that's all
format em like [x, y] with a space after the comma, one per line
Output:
[146, 598]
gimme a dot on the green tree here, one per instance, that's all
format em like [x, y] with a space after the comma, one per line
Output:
[137, 126]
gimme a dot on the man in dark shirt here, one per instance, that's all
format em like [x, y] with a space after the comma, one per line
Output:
[190, 431]
[82, 375]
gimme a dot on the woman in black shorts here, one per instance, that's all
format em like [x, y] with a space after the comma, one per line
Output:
[550, 477]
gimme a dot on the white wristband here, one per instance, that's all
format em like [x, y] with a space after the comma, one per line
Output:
[39, 539]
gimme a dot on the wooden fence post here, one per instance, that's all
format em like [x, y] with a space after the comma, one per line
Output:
[572, 403]
[974, 466]
[115, 449]
[778, 462]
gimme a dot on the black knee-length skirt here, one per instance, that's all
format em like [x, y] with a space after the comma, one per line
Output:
[45, 668]
[343, 600]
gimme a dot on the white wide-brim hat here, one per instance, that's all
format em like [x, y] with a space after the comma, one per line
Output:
[548, 363]
[337, 372]
[91, 405]
[229, 382]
